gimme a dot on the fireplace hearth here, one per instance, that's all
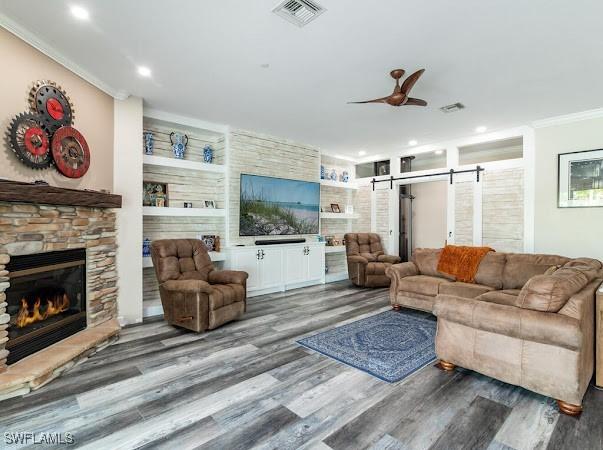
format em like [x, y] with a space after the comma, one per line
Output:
[46, 300]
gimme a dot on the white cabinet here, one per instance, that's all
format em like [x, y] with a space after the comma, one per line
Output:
[274, 268]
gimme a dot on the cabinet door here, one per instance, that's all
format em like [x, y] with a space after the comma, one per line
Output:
[295, 265]
[247, 261]
[271, 268]
[316, 265]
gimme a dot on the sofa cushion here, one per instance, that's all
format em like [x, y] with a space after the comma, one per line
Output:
[520, 267]
[421, 284]
[506, 297]
[427, 260]
[369, 257]
[550, 329]
[465, 290]
[549, 293]
[490, 270]
[590, 267]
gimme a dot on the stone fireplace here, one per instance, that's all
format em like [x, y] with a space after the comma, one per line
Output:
[46, 300]
[58, 281]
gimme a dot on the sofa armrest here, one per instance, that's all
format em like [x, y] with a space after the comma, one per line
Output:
[227, 277]
[398, 271]
[187, 286]
[536, 326]
[389, 259]
[357, 259]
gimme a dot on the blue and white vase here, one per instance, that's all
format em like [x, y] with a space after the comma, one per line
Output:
[208, 154]
[333, 175]
[179, 142]
[149, 140]
[345, 176]
[322, 172]
[146, 247]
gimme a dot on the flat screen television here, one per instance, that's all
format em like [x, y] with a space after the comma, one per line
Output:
[277, 206]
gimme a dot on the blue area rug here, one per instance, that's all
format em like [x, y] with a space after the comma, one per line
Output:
[390, 345]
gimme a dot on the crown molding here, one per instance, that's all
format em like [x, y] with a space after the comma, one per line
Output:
[25, 35]
[569, 118]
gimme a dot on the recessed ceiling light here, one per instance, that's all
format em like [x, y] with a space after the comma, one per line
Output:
[481, 129]
[361, 153]
[439, 152]
[80, 13]
[412, 142]
[144, 71]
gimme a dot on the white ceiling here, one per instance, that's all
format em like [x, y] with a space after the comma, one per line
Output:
[510, 62]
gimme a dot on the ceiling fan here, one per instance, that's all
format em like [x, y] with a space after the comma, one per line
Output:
[400, 95]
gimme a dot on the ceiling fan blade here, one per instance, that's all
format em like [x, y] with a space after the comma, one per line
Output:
[411, 80]
[416, 102]
[377, 100]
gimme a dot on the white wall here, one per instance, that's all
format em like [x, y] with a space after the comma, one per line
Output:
[566, 231]
[429, 214]
[127, 181]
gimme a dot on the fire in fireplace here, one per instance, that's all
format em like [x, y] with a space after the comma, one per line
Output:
[46, 300]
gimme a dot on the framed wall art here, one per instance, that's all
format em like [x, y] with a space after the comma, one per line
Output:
[580, 183]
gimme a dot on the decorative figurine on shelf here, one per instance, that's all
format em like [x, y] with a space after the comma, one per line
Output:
[322, 172]
[345, 176]
[208, 154]
[333, 175]
[149, 140]
[146, 247]
[179, 142]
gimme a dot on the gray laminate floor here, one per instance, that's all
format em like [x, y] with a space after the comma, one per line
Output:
[249, 385]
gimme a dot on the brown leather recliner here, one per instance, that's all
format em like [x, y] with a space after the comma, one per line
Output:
[367, 261]
[193, 293]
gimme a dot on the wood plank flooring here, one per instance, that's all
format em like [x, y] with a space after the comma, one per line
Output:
[249, 385]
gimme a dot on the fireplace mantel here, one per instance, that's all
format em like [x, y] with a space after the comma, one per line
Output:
[16, 191]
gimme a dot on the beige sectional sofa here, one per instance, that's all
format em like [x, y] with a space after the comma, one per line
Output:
[527, 320]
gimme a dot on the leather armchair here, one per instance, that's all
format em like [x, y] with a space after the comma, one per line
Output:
[195, 295]
[367, 262]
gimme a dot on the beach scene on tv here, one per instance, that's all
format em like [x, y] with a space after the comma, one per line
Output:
[276, 206]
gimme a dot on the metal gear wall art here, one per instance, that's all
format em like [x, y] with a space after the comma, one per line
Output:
[52, 103]
[29, 141]
[45, 135]
[70, 152]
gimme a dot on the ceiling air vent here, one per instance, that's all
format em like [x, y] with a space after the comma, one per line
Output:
[452, 108]
[299, 12]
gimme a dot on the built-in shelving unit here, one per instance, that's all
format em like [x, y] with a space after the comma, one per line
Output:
[182, 164]
[338, 216]
[332, 224]
[188, 180]
[182, 212]
[339, 184]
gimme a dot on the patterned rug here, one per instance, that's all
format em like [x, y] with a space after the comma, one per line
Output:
[390, 345]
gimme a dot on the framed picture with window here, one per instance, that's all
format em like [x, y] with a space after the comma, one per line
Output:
[580, 183]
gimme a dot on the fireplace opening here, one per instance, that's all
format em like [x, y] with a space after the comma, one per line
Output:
[46, 300]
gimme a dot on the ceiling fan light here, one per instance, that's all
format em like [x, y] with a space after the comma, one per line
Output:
[481, 129]
[413, 142]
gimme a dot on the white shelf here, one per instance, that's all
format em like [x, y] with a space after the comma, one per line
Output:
[182, 212]
[340, 216]
[182, 164]
[338, 184]
[215, 257]
[335, 249]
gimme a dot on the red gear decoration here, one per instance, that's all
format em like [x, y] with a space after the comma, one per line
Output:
[70, 152]
[55, 109]
[36, 141]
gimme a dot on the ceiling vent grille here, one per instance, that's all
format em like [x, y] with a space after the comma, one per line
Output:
[452, 108]
[299, 12]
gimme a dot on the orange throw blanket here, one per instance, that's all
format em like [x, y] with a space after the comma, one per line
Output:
[462, 262]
